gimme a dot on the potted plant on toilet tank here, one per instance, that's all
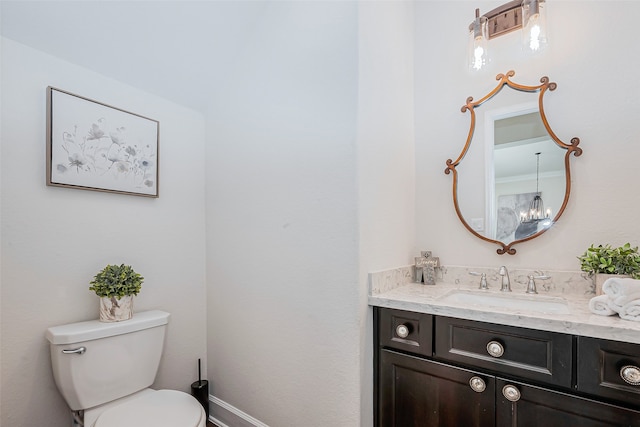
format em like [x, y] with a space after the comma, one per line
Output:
[116, 285]
[603, 261]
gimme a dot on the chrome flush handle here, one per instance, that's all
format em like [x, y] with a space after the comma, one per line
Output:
[79, 350]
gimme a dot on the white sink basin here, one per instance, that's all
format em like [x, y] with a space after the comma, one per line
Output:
[507, 301]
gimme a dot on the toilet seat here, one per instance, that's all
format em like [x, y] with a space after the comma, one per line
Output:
[162, 408]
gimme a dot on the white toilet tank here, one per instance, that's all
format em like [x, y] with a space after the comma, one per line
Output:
[106, 361]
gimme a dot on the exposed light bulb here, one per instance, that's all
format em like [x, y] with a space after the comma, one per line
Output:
[478, 36]
[534, 36]
[478, 60]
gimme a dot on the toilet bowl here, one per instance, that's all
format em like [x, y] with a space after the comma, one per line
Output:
[161, 408]
[104, 371]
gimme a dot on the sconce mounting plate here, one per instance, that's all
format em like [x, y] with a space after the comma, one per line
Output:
[505, 21]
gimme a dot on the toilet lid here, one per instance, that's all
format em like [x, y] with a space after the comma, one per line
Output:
[163, 408]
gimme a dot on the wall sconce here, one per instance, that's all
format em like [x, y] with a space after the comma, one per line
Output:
[534, 25]
[478, 36]
[526, 14]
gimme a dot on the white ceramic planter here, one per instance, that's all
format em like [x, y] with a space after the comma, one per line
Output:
[113, 309]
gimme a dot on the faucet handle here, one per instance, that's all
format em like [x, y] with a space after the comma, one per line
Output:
[531, 287]
[483, 279]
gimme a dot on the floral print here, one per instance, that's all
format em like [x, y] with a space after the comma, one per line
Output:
[99, 152]
[99, 147]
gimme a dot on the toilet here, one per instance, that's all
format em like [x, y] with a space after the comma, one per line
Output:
[104, 371]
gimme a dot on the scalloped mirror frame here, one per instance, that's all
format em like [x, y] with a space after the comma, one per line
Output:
[572, 148]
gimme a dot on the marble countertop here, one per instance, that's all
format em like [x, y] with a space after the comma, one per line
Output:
[580, 320]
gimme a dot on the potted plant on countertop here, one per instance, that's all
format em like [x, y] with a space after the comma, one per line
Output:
[116, 285]
[602, 262]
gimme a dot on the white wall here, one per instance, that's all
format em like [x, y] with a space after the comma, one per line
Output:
[386, 134]
[1, 210]
[291, 234]
[386, 171]
[282, 227]
[595, 70]
[309, 185]
[55, 239]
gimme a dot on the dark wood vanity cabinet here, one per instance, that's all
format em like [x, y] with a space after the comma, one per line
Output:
[540, 356]
[541, 407]
[481, 374]
[609, 369]
[420, 392]
[406, 331]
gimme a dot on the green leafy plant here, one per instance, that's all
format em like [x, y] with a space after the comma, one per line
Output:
[116, 281]
[608, 260]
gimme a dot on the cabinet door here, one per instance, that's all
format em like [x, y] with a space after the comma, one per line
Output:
[609, 369]
[528, 406]
[418, 392]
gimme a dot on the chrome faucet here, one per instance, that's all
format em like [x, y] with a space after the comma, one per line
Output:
[483, 280]
[506, 284]
[531, 287]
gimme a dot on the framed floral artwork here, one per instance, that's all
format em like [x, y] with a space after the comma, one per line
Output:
[94, 146]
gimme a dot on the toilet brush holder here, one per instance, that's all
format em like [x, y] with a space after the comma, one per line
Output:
[200, 390]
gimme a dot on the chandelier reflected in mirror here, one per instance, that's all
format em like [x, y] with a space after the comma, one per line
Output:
[536, 218]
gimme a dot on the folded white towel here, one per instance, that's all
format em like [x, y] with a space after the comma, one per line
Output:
[616, 287]
[617, 303]
[631, 311]
[599, 305]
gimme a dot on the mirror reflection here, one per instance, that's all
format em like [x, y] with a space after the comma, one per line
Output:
[528, 172]
[515, 181]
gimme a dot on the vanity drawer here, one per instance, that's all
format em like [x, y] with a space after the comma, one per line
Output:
[602, 364]
[525, 353]
[405, 330]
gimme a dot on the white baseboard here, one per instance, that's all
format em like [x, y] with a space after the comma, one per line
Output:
[223, 414]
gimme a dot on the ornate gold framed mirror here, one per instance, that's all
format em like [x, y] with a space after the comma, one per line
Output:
[516, 181]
